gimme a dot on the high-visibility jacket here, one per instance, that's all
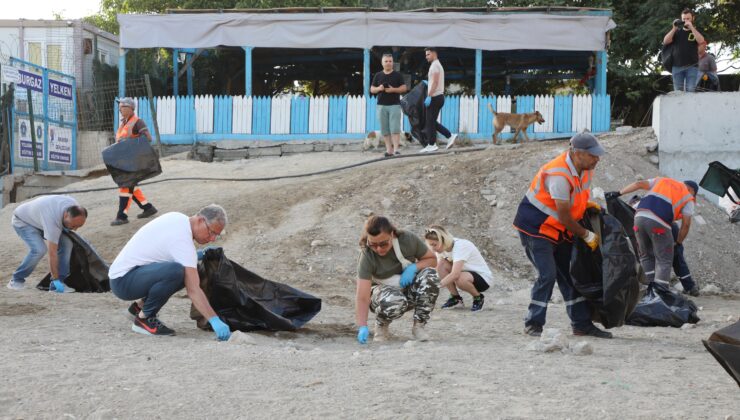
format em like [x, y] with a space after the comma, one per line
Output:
[666, 199]
[537, 214]
[126, 130]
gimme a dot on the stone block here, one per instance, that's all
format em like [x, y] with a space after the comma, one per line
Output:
[265, 151]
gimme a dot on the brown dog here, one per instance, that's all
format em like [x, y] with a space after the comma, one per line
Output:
[519, 122]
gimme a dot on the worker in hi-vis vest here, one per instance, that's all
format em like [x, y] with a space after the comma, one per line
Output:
[131, 127]
[547, 220]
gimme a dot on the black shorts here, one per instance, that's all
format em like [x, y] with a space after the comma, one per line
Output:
[480, 284]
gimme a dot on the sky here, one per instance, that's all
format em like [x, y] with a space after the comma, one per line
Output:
[45, 9]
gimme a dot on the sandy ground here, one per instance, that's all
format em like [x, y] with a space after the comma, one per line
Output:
[74, 355]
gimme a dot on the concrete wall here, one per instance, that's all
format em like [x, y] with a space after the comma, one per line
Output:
[694, 129]
[90, 145]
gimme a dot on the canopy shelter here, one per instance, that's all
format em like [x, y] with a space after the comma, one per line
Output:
[556, 38]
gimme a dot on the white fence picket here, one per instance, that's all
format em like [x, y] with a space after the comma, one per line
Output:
[546, 106]
[166, 114]
[318, 115]
[280, 115]
[241, 118]
[204, 114]
[581, 119]
[356, 106]
[468, 114]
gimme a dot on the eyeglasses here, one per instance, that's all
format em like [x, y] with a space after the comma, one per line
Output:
[211, 233]
[379, 245]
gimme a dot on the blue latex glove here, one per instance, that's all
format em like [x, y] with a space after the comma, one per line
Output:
[222, 330]
[56, 286]
[424, 81]
[407, 277]
[362, 334]
[427, 101]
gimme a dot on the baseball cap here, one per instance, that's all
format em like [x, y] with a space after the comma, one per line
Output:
[129, 102]
[587, 143]
[693, 186]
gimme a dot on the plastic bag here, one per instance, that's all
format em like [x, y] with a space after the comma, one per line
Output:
[131, 161]
[88, 271]
[663, 307]
[724, 345]
[246, 302]
[412, 105]
[607, 277]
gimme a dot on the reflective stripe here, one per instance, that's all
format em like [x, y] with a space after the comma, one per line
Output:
[574, 301]
[662, 282]
[685, 199]
[538, 303]
[685, 277]
[649, 272]
[532, 197]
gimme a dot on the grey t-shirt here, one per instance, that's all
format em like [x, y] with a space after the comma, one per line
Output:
[372, 265]
[45, 213]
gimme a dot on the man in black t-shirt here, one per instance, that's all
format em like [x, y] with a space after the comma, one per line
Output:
[388, 85]
[685, 39]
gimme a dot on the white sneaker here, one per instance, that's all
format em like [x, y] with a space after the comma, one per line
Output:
[67, 289]
[432, 148]
[15, 285]
[451, 141]
[424, 149]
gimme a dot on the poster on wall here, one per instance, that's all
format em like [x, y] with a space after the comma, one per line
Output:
[25, 149]
[60, 144]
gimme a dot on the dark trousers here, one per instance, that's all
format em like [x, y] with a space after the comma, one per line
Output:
[155, 283]
[431, 126]
[552, 262]
[679, 263]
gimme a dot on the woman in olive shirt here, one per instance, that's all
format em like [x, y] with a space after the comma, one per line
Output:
[393, 281]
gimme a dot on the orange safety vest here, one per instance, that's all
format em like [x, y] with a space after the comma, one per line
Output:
[537, 214]
[666, 199]
[126, 130]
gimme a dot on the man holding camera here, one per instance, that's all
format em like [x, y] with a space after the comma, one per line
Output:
[685, 39]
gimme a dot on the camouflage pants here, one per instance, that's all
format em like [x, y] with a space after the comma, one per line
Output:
[389, 303]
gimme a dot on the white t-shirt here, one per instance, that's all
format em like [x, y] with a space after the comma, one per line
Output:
[45, 213]
[436, 67]
[168, 238]
[464, 250]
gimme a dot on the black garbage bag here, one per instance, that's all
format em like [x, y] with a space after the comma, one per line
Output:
[88, 271]
[626, 216]
[607, 277]
[719, 179]
[412, 105]
[663, 307]
[724, 345]
[131, 161]
[246, 301]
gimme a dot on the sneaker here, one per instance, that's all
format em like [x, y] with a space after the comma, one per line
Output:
[151, 211]
[534, 330]
[133, 310]
[478, 303]
[424, 149]
[693, 292]
[452, 301]
[381, 333]
[16, 285]
[397, 153]
[67, 289]
[119, 222]
[451, 141]
[593, 331]
[151, 326]
[432, 148]
[419, 332]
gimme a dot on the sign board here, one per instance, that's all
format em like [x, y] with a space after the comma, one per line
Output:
[25, 151]
[60, 144]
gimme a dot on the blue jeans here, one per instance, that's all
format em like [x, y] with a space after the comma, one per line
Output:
[679, 263]
[552, 262]
[34, 239]
[685, 78]
[155, 283]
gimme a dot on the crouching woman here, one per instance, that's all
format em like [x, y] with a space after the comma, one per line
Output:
[396, 274]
